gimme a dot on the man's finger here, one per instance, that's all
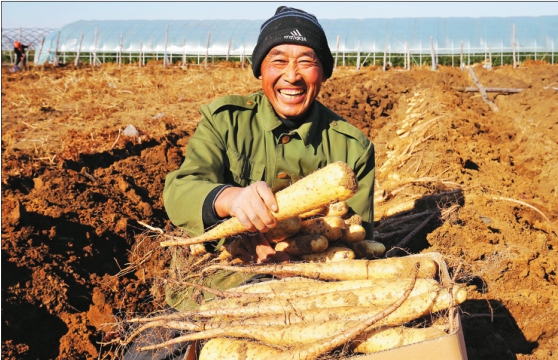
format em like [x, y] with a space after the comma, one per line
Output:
[267, 196]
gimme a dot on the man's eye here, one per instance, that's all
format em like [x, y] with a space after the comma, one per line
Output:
[306, 62]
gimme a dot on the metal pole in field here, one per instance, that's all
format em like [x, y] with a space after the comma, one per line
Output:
[183, 53]
[513, 47]
[452, 53]
[385, 54]
[489, 56]
[407, 57]
[55, 61]
[461, 64]
[165, 60]
[434, 65]
[37, 58]
[518, 53]
[228, 49]
[76, 63]
[140, 57]
[358, 56]
[95, 60]
[120, 52]
[336, 52]
[207, 49]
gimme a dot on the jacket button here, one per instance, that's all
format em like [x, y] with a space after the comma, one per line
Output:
[282, 175]
[285, 139]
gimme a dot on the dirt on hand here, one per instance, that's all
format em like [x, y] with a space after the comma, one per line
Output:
[79, 187]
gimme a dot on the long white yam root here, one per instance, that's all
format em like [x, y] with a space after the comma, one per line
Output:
[368, 296]
[343, 270]
[234, 349]
[333, 183]
[414, 307]
[342, 293]
[389, 338]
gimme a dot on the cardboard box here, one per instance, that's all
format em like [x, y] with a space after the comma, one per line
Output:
[448, 347]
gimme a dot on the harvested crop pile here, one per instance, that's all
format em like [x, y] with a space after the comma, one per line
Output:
[362, 310]
[453, 176]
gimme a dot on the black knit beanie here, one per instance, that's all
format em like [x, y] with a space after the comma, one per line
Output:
[292, 26]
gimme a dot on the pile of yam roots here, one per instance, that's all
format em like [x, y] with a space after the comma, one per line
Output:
[328, 302]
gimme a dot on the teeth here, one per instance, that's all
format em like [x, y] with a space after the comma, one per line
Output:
[291, 93]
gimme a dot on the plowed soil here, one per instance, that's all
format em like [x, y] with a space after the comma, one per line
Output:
[77, 191]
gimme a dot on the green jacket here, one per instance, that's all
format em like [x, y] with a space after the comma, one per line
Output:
[239, 141]
[235, 143]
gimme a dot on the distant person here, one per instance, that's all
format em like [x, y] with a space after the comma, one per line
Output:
[19, 50]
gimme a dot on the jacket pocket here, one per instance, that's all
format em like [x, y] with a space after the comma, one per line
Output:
[244, 171]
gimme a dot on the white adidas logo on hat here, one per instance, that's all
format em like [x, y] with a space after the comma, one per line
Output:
[295, 35]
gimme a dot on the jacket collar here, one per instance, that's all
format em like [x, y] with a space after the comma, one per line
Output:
[306, 130]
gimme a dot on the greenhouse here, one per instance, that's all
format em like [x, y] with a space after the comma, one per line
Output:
[360, 41]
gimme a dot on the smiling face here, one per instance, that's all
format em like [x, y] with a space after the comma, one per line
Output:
[292, 76]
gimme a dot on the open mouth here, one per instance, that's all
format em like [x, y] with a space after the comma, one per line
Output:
[292, 94]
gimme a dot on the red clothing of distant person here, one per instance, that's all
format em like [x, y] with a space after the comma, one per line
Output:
[19, 49]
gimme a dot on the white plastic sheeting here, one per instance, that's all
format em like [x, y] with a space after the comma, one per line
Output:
[238, 37]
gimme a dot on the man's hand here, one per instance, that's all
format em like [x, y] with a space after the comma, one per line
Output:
[251, 205]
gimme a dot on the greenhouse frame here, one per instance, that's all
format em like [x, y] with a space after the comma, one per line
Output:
[365, 41]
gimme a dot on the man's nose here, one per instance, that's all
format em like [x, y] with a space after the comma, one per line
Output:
[291, 73]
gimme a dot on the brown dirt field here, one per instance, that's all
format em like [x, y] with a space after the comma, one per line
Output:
[74, 191]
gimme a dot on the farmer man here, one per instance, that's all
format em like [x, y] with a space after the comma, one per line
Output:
[246, 148]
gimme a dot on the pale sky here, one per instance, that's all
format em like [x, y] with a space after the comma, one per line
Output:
[38, 14]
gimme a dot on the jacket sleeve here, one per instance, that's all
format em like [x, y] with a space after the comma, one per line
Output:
[201, 172]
